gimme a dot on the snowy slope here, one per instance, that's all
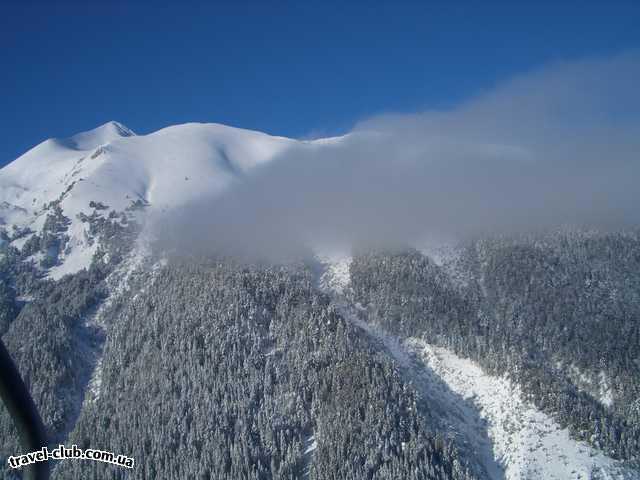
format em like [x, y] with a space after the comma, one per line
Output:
[333, 276]
[526, 442]
[113, 167]
[509, 437]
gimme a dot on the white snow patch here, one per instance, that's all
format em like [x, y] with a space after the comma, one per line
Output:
[95, 384]
[605, 390]
[529, 443]
[597, 385]
[310, 446]
[78, 259]
[78, 253]
[19, 242]
[335, 275]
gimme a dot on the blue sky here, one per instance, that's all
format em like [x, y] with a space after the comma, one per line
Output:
[289, 68]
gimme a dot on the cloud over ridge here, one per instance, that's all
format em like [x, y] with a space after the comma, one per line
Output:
[559, 145]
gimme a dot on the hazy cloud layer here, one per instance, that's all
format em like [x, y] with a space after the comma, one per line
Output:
[560, 145]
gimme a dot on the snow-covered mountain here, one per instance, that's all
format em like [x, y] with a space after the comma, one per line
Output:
[432, 322]
[110, 170]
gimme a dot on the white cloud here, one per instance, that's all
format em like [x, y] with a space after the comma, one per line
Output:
[560, 145]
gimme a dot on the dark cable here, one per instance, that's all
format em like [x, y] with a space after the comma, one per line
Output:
[22, 409]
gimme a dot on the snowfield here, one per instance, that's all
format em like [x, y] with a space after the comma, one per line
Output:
[528, 443]
[110, 169]
[334, 274]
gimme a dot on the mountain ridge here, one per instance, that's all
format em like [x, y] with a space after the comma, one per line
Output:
[117, 170]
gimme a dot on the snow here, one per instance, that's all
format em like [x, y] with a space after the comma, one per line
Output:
[510, 438]
[527, 442]
[166, 169]
[98, 136]
[78, 259]
[605, 391]
[79, 256]
[458, 419]
[310, 446]
[486, 415]
[19, 242]
[599, 385]
[334, 275]
[118, 284]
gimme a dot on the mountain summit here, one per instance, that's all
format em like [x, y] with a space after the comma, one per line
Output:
[105, 133]
[113, 168]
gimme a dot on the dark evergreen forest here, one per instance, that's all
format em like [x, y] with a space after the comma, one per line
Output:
[216, 368]
[534, 307]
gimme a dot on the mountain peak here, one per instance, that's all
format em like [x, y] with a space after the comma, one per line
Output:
[98, 136]
[119, 128]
